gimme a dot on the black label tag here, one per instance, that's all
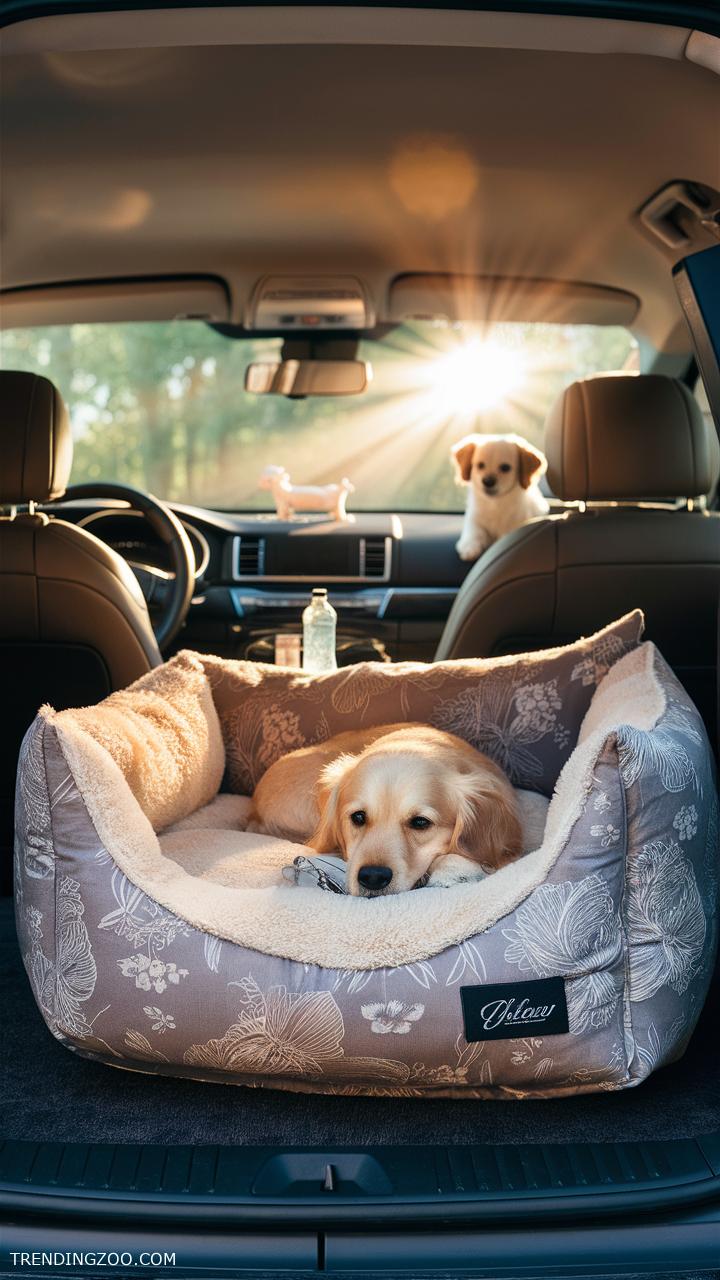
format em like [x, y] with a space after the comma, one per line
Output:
[511, 1010]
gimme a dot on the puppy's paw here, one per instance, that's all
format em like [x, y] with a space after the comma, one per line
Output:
[453, 869]
[256, 826]
[470, 548]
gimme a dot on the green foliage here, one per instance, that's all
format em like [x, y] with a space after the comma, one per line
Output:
[161, 406]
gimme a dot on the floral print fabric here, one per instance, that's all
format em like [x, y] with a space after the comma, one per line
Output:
[627, 918]
[524, 712]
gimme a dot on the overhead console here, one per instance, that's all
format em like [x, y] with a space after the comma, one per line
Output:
[309, 304]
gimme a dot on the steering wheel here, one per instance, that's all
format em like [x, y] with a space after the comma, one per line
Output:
[169, 593]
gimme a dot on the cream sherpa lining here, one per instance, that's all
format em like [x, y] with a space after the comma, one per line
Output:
[213, 845]
[345, 932]
[167, 719]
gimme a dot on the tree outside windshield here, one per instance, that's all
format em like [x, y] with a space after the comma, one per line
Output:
[161, 406]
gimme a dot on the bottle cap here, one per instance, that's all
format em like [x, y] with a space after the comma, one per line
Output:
[320, 592]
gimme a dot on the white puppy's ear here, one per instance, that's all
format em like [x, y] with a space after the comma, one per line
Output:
[462, 454]
[487, 829]
[531, 464]
[327, 836]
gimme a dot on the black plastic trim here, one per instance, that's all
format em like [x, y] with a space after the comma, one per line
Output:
[666, 1246]
[228, 1253]
[345, 1185]
[703, 17]
[669, 1246]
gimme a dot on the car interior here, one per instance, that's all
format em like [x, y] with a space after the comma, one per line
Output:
[480, 211]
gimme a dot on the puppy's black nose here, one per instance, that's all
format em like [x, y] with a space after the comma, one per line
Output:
[489, 481]
[375, 878]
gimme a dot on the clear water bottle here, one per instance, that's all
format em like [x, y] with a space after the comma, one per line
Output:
[319, 620]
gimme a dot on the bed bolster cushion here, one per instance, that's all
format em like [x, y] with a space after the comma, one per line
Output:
[524, 711]
[164, 734]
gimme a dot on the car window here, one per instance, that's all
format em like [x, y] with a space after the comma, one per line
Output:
[162, 407]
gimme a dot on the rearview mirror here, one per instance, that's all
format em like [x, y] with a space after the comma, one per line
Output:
[297, 378]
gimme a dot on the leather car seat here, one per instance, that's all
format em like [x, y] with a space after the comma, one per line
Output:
[633, 444]
[74, 625]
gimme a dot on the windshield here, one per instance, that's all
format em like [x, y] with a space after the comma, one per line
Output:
[161, 406]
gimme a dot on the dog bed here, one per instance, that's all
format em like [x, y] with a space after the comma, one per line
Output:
[161, 937]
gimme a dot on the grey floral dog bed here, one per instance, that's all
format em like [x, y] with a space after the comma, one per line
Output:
[160, 936]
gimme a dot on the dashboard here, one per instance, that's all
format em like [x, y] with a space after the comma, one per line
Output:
[391, 577]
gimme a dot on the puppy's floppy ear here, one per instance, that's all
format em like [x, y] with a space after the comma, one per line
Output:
[327, 835]
[462, 454]
[487, 829]
[531, 463]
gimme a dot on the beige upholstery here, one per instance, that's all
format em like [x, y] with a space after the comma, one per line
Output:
[622, 436]
[73, 621]
[35, 438]
[563, 576]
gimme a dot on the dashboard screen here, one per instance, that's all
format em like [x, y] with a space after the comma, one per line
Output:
[307, 555]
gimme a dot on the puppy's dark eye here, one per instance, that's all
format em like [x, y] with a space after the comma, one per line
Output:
[358, 818]
[419, 823]
[479, 466]
[504, 466]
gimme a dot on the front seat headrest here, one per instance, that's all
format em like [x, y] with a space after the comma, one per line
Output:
[35, 439]
[623, 437]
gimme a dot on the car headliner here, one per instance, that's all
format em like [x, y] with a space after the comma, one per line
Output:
[221, 142]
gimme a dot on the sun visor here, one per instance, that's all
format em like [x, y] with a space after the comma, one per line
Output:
[196, 298]
[458, 299]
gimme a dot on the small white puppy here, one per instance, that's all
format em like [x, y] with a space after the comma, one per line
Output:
[502, 474]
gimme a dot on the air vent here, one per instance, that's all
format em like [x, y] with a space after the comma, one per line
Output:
[248, 556]
[374, 558]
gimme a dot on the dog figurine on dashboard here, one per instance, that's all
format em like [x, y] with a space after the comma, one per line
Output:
[502, 475]
[290, 498]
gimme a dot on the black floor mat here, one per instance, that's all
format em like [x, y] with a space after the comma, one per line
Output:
[47, 1093]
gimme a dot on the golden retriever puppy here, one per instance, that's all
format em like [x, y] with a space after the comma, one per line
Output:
[501, 473]
[392, 801]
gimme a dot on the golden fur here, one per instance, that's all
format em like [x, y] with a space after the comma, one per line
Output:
[392, 775]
